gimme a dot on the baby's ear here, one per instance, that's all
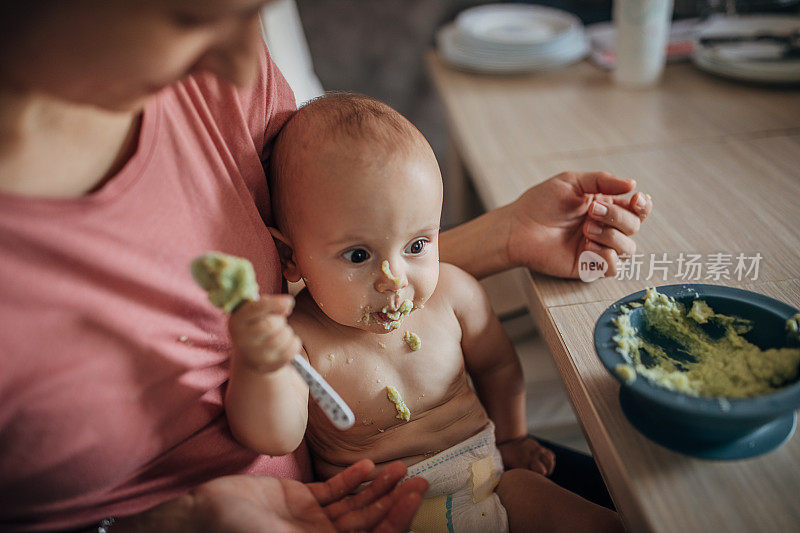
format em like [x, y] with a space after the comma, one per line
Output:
[286, 254]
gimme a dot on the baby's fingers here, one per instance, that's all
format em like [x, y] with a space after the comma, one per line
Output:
[542, 461]
[548, 459]
[258, 319]
[536, 465]
[267, 304]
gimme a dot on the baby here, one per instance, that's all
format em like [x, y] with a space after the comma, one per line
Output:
[357, 196]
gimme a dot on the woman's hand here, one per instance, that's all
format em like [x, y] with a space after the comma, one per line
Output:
[248, 504]
[261, 336]
[554, 222]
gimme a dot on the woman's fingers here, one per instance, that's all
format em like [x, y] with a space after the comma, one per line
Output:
[382, 485]
[609, 254]
[367, 517]
[610, 237]
[640, 204]
[600, 182]
[342, 483]
[609, 213]
[401, 515]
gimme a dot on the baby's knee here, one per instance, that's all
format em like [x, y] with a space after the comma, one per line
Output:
[534, 502]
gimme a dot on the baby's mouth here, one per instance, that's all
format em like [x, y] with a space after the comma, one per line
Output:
[401, 312]
[387, 317]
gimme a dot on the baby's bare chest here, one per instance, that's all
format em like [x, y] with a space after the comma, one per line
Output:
[364, 369]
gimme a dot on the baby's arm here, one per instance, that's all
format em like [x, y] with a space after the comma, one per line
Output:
[488, 354]
[493, 365]
[266, 401]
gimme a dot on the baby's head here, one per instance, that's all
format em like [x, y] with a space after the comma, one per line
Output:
[357, 198]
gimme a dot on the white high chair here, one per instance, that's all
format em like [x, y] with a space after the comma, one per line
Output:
[283, 33]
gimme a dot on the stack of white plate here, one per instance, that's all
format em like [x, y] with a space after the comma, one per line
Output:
[749, 60]
[509, 38]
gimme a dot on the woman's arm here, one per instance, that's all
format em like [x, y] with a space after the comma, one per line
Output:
[479, 246]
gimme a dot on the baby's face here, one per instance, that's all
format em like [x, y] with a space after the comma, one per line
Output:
[367, 236]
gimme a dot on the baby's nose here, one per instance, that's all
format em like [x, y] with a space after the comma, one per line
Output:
[390, 280]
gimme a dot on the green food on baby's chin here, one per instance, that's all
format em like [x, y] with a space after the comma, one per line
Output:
[403, 412]
[229, 280]
[728, 366]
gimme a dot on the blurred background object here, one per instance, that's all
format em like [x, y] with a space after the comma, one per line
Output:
[377, 48]
[283, 33]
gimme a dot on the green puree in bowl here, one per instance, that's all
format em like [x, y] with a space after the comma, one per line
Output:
[723, 366]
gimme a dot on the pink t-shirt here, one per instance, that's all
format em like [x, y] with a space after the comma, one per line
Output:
[113, 363]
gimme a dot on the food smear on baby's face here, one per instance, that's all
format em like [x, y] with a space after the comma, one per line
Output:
[402, 311]
[390, 320]
[229, 280]
[387, 271]
[413, 341]
[403, 413]
[721, 366]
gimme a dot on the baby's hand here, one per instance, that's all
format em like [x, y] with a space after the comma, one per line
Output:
[527, 453]
[262, 339]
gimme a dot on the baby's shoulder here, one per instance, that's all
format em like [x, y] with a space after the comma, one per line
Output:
[451, 274]
[457, 288]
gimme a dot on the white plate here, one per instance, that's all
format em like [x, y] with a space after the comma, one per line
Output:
[740, 60]
[456, 38]
[458, 54]
[515, 24]
[772, 72]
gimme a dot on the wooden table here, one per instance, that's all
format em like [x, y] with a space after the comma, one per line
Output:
[722, 163]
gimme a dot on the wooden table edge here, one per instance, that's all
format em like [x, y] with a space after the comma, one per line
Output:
[611, 465]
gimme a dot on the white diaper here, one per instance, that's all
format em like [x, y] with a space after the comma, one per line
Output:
[461, 496]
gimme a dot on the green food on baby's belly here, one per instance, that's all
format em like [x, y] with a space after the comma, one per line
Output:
[413, 341]
[229, 280]
[728, 366]
[403, 413]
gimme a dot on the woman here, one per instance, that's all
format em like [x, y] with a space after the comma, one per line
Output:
[127, 150]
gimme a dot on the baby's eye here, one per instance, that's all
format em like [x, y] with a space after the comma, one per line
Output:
[416, 247]
[357, 255]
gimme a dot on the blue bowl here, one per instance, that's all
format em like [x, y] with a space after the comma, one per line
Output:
[707, 427]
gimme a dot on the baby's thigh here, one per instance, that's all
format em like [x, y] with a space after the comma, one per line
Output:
[534, 503]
